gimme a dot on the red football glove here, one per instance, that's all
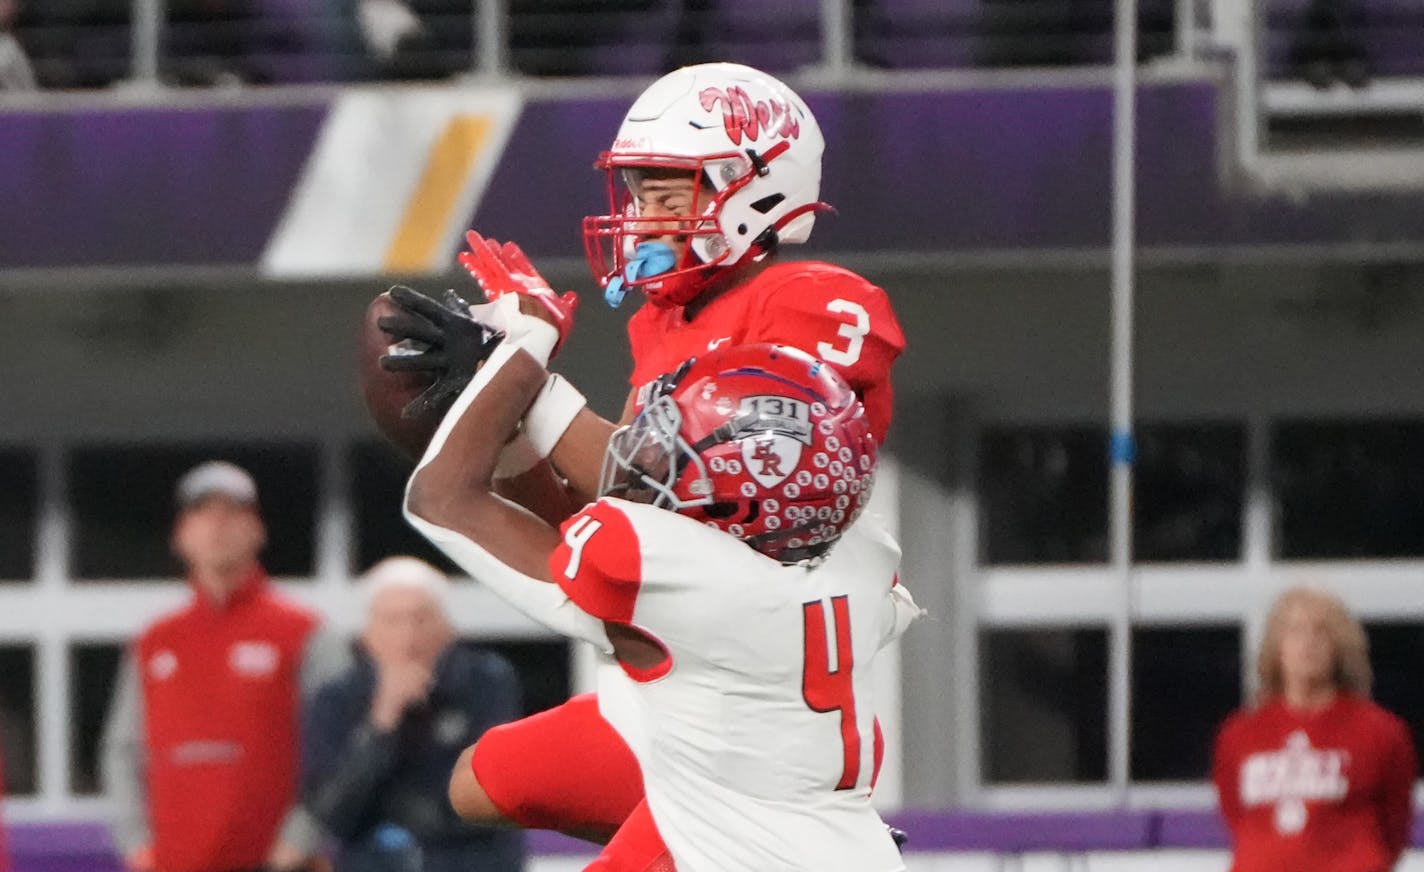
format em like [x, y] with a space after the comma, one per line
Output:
[504, 269]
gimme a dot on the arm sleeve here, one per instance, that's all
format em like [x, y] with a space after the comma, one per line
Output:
[1397, 801]
[1225, 773]
[122, 761]
[538, 600]
[344, 762]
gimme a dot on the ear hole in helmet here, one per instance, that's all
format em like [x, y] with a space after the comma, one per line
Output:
[769, 202]
[720, 511]
[724, 510]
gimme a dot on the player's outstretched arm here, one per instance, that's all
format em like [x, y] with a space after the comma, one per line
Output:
[452, 487]
[450, 498]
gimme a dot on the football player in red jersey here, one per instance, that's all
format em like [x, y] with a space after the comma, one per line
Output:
[714, 169]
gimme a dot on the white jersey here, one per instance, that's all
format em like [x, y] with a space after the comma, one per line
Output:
[756, 736]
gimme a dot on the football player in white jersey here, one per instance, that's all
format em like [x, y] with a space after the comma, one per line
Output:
[712, 570]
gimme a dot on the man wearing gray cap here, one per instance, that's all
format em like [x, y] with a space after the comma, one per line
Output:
[200, 753]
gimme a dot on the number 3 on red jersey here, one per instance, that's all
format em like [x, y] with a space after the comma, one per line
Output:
[854, 333]
[832, 690]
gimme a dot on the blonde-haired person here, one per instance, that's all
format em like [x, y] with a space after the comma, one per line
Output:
[1314, 775]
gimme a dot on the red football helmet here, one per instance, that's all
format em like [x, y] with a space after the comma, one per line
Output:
[762, 441]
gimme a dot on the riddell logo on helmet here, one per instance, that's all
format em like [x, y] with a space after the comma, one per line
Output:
[744, 117]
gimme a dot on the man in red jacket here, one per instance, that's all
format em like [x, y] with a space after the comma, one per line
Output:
[1315, 777]
[201, 747]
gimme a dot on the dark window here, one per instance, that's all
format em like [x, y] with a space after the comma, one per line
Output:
[122, 500]
[543, 667]
[93, 679]
[1349, 488]
[17, 718]
[378, 475]
[1185, 681]
[1045, 494]
[19, 510]
[1188, 490]
[1043, 701]
[1396, 650]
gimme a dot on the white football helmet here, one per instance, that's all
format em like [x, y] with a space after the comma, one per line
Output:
[756, 149]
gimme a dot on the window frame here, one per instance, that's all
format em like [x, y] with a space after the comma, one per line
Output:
[1066, 596]
[52, 612]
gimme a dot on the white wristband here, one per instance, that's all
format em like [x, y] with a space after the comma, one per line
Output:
[529, 333]
[551, 413]
[516, 458]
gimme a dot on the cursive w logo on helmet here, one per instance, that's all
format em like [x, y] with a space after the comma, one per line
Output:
[743, 116]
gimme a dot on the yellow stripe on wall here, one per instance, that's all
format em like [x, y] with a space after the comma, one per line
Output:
[428, 213]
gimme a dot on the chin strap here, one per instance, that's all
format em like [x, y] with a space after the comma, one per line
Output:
[649, 259]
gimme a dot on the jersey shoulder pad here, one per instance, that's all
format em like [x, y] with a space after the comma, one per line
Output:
[806, 303]
[599, 563]
[804, 275]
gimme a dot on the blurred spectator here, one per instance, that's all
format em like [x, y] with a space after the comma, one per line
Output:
[1315, 777]
[380, 740]
[296, 41]
[1328, 48]
[417, 39]
[207, 42]
[16, 74]
[200, 753]
[385, 25]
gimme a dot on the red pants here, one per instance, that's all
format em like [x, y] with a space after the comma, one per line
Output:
[566, 769]
[562, 769]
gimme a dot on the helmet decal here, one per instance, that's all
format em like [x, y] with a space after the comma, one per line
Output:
[743, 116]
[771, 458]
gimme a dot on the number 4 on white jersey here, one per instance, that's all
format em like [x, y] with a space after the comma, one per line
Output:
[577, 536]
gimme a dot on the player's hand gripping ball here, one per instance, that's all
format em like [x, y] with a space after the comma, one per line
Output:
[416, 355]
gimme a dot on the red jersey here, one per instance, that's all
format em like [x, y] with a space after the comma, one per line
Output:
[1321, 791]
[822, 309]
[220, 714]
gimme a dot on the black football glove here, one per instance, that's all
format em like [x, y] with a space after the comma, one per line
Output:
[900, 837]
[439, 338]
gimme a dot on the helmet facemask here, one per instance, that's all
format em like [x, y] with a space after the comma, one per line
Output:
[629, 248]
[646, 459]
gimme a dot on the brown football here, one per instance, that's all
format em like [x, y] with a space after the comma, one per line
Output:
[387, 393]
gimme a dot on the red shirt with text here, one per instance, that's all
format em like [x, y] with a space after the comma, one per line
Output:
[1320, 791]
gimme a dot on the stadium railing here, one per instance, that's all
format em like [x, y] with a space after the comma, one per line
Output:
[98, 43]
